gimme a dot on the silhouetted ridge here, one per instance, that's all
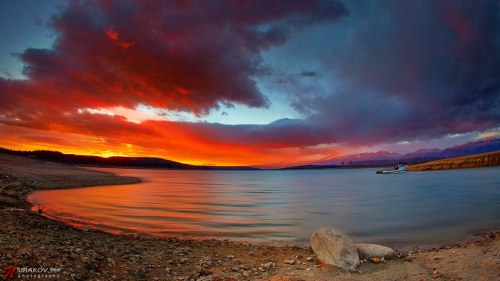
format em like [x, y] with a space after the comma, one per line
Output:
[114, 161]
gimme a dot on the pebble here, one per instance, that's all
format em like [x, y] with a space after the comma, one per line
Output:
[290, 261]
[268, 265]
[309, 259]
[200, 271]
[139, 273]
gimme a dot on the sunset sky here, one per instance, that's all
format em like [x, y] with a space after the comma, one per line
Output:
[247, 82]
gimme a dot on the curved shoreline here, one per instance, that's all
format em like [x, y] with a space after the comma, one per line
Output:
[50, 243]
[30, 240]
[419, 247]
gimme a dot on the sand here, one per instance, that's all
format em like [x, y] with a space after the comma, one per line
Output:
[28, 239]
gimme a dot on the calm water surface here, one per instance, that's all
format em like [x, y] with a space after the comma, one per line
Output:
[406, 209]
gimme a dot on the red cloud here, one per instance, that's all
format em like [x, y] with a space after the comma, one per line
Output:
[209, 50]
[112, 34]
[186, 56]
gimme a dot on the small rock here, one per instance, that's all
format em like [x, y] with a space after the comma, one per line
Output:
[268, 265]
[435, 274]
[375, 259]
[290, 262]
[140, 274]
[246, 274]
[366, 251]
[200, 271]
[309, 259]
[184, 260]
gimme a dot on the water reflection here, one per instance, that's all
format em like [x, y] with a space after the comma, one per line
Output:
[396, 209]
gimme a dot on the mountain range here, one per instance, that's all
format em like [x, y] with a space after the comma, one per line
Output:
[418, 156]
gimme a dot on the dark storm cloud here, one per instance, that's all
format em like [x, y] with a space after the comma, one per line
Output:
[178, 55]
[413, 70]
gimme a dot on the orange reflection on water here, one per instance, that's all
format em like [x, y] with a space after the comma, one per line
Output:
[163, 205]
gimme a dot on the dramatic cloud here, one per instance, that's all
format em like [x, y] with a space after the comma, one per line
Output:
[177, 55]
[170, 55]
[412, 70]
[361, 73]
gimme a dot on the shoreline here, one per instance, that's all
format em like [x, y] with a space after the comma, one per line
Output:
[489, 159]
[30, 240]
[401, 248]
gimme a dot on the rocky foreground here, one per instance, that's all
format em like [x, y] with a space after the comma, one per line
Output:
[29, 240]
[469, 161]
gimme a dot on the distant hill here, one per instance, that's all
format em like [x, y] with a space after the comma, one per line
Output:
[311, 167]
[419, 156]
[469, 161]
[115, 161]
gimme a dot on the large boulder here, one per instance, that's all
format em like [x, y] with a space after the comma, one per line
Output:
[335, 248]
[366, 251]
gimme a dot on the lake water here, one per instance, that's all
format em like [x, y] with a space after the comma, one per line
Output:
[399, 210]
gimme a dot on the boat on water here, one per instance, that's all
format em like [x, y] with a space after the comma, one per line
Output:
[399, 169]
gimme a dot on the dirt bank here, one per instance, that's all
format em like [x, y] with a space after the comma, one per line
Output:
[470, 161]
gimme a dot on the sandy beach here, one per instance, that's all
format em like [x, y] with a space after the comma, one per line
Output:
[28, 239]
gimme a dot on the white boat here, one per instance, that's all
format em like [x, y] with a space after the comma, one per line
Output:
[399, 169]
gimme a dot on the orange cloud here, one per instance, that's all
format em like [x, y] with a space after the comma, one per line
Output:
[170, 140]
